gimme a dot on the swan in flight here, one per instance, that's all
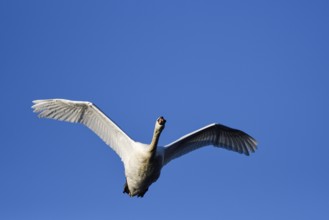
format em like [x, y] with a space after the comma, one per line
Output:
[143, 162]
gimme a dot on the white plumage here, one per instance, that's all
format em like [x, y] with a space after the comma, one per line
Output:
[142, 162]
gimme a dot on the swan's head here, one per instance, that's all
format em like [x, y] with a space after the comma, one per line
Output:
[161, 120]
[160, 123]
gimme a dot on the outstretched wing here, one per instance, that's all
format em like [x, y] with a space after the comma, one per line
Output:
[214, 134]
[88, 114]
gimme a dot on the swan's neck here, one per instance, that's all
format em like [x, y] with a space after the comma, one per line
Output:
[155, 140]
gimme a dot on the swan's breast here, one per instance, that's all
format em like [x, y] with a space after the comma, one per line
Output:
[141, 171]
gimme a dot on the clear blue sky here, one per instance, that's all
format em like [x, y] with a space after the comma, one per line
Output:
[259, 66]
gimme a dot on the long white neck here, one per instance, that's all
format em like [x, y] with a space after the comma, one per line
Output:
[156, 135]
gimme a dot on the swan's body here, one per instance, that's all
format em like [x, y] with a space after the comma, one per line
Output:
[142, 162]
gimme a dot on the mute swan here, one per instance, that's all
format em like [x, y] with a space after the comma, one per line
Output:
[142, 162]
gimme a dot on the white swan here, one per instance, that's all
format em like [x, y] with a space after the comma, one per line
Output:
[142, 162]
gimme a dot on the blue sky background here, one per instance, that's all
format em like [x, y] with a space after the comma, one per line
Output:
[259, 66]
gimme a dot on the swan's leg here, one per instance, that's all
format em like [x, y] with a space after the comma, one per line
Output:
[143, 193]
[126, 189]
